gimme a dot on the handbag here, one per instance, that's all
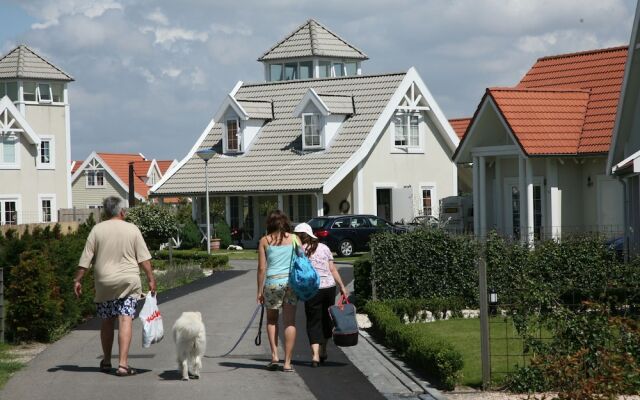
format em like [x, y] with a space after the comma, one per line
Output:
[152, 328]
[345, 325]
[303, 278]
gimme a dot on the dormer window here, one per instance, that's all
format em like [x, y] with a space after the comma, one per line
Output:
[233, 135]
[311, 130]
[407, 130]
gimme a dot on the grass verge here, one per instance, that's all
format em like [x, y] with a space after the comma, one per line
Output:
[8, 365]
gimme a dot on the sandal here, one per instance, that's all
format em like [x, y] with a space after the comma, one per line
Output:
[128, 371]
[290, 369]
[272, 366]
[105, 366]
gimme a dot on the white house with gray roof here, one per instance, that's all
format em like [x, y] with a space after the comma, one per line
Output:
[321, 142]
[34, 138]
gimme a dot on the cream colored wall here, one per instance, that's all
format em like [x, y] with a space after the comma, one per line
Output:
[84, 197]
[29, 181]
[383, 166]
[343, 191]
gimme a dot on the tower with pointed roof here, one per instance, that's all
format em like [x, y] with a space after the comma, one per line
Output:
[34, 138]
[311, 51]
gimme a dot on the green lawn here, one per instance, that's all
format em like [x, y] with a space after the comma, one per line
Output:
[252, 254]
[464, 334]
[7, 365]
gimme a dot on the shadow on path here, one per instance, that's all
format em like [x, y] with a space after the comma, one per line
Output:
[77, 368]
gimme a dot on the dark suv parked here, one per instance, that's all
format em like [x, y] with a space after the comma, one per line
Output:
[346, 234]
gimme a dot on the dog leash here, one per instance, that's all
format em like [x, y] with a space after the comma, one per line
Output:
[258, 339]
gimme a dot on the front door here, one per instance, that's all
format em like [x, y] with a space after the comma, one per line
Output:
[513, 214]
[383, 203]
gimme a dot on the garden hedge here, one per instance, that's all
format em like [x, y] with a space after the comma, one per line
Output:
[203, 258]
[432, 356]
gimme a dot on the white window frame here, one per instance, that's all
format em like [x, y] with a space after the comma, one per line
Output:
[39, 94]
[409, 147]
[8, 198]
[239, 135]
[54, 208]
[435, 202]
[320, 128]
[333, 69]
[95, 172]
[16, 164]
[52, 153]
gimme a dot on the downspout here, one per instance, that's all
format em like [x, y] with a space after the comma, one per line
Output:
[625, 189]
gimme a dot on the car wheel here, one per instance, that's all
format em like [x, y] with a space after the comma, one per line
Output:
[345, 248]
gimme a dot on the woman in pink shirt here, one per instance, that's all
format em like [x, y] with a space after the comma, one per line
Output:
[319, 326]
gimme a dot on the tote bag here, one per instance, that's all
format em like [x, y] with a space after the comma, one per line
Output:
[303, 278]
[345, 330]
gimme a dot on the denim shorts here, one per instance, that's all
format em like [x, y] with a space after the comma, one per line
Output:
[114, 308]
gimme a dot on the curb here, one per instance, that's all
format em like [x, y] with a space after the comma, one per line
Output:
[430, 391]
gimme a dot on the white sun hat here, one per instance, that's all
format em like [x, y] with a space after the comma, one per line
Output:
[304, 228]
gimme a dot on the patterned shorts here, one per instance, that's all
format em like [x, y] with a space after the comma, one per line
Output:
[277, 294]
[114, 308]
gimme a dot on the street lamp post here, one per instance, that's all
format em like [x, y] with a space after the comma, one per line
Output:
[206, 155]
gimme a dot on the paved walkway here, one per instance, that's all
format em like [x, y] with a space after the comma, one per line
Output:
[68, 369]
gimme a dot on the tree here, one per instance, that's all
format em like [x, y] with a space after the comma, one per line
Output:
[156, 223]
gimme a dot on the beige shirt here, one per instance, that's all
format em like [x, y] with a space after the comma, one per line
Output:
[115, 248]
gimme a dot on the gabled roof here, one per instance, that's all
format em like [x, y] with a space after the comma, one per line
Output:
[564, 105]
[16, 117]
[460, 126]
[312, 39]
[338, 104]
[165, 165]
[276, 162]
[258, 109]
[24, 63]
[75, 164]
[119, 164]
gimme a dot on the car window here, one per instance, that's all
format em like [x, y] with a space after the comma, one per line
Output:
[377, 222]
[358, 222]
[318, 223]
[341, 223]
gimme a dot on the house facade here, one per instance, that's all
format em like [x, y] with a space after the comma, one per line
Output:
[107, 174]
[539, 150]
[35, 138]
[320, 138]
[624, 155]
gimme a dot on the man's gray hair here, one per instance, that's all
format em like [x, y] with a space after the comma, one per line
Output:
[112, 206]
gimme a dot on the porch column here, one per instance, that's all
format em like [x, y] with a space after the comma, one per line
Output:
[555, 200]
[522, 189]
[476, 196]
[320, 204]
[530, 223]
[483, 196]
[227, 210]
[281, 204]
[498, 195]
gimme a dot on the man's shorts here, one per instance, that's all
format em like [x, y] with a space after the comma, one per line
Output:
[114, 308]
[277, 294]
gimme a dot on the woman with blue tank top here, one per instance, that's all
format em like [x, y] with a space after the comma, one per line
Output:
[274, 260]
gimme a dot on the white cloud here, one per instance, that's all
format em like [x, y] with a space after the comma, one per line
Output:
[158, 16]
[237, 29]
[169, 36]
[171, 72]
[51, 12]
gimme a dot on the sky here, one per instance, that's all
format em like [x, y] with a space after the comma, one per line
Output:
[150, 74]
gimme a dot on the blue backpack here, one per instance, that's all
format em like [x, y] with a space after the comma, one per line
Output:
[303, 278]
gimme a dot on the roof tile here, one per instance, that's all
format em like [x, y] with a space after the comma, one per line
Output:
[22, 62]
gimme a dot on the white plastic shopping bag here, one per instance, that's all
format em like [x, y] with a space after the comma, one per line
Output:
[152, 329]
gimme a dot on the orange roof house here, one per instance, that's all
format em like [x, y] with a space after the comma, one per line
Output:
[539, 148]
[107, 174]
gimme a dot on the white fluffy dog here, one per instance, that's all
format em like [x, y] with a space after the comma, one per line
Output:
[191, 342]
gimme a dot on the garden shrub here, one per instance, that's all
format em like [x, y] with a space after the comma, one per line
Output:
[362, 278]
[156, 223]
[223, 233]
[425, 263]
[215, 262]
[430, 355]
[190, 236]
[35, 307]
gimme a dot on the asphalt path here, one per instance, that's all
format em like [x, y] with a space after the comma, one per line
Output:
[68, 369]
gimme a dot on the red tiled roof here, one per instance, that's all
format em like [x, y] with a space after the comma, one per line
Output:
[75, 165]
[544, 121]
[164, 165]
[600, 72]
[119, 164]
[460, 125]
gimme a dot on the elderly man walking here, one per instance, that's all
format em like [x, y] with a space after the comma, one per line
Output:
[116, 250]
